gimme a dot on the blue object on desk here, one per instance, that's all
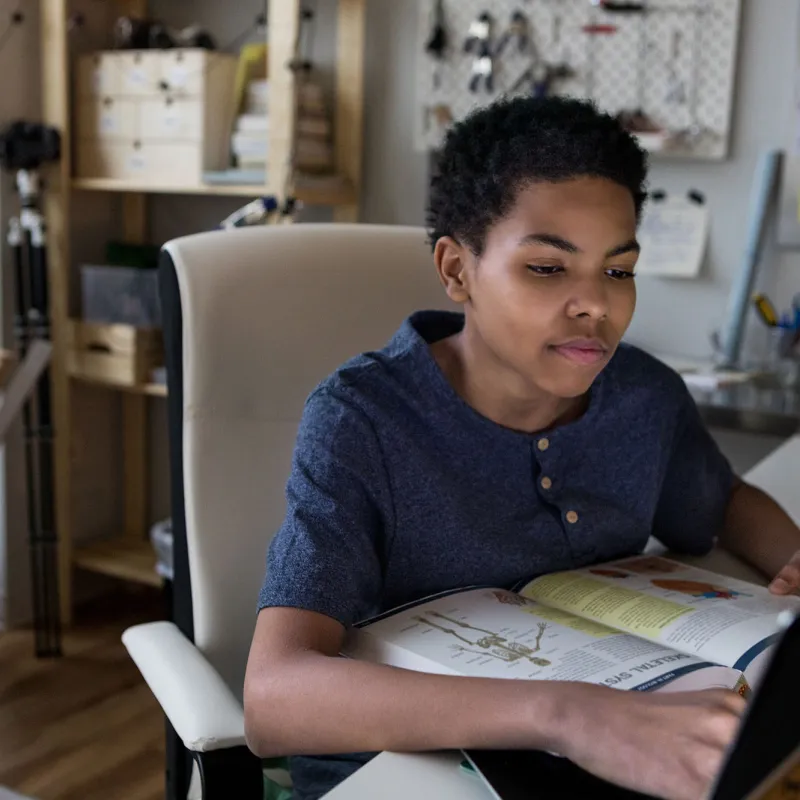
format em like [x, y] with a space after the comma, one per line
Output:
[761, 203]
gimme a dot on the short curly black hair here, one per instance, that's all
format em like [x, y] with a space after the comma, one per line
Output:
[493, 153]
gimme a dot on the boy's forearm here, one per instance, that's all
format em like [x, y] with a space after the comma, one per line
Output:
[328, 705]
[758, 530]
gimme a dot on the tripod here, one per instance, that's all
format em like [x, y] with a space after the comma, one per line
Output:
[26, 238]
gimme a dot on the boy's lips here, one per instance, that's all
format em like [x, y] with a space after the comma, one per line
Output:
[583, 351]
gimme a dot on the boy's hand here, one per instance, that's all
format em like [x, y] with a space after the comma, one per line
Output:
[667, 745]
[787, 580]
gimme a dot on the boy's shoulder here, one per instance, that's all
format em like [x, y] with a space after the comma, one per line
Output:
[634, 370]
[380, 379]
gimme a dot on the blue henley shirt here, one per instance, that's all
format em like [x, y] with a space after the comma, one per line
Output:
[399, 489]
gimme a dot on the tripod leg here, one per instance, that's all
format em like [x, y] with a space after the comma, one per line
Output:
[19, 241]
[44, 541]
[50, 644]
[20, 286]
[26, 239]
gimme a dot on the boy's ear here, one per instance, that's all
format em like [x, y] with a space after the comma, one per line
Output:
[451, 259]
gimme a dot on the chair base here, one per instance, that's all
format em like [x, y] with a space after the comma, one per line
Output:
[235, 772]
[178, 766]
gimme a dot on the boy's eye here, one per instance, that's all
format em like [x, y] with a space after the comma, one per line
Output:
[545, 269]
[620, 274]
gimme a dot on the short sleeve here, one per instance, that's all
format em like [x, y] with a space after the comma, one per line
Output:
[328, 554]
[696, 489]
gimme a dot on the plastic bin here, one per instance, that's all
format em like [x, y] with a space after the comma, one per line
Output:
[121, 295]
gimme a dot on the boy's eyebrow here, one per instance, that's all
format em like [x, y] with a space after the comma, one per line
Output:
[559, 243]
[549, 240]
[629, 247]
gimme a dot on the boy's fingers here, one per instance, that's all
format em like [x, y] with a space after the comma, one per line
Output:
[788, 579]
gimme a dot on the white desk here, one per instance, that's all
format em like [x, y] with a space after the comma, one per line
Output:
[437, 776]
[779, 475]
[423, 776]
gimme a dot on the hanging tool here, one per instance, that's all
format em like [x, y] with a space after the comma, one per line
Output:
[482, 69]
[541, 78]
[599, 28]
[519, 29]
[557, 24]
[436, 46]
[619, 8]
[695, 133]
[558, 51]
[441, 114]
[480, 33]
[479, 42]
[766, 311]
[676, 88]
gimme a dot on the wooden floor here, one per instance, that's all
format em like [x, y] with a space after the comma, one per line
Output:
[83, 727]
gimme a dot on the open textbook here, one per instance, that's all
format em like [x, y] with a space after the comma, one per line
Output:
[645, 623]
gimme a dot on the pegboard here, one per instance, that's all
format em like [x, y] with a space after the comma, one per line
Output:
[676, 62]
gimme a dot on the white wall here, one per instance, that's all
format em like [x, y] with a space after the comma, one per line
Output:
[675, 317]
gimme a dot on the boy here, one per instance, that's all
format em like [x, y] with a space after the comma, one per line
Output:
[516, 439]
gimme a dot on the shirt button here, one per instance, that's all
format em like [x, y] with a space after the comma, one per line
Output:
[544, 444]
[572, 517]
[547, 484]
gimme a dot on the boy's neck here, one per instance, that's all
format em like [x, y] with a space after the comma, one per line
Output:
[497, 393]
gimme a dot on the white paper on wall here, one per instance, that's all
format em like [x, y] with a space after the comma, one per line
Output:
[674, 237]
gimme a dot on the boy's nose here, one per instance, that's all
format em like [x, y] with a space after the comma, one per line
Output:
[589, 300]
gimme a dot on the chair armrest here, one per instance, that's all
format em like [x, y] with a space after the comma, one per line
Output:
[200, 706]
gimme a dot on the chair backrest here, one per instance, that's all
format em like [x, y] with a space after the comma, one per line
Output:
[254, 320]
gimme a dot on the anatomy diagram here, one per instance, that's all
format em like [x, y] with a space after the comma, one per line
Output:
[490, 643]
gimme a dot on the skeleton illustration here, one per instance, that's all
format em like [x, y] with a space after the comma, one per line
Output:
[491, 643]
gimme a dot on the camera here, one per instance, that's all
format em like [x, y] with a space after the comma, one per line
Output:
[28, 145]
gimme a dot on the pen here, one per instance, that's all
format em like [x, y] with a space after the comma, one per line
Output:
[766, 310]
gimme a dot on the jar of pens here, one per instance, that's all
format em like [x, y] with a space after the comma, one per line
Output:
[783, 359]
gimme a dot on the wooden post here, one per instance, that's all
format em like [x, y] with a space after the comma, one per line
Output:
[284, 26]
[134, 406]
[135, 453]
[55, 112]
[350, 99]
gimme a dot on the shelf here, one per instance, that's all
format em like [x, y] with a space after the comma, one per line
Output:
[149, 389]
[120, 558]
[8, 363]
[315, 190]
[114, 185]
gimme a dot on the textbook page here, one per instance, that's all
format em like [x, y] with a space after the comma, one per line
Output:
[492, 633]
[711, 616]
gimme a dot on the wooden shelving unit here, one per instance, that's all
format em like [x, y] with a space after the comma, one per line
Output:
[311, 189]
[122, 550]
[119, 558]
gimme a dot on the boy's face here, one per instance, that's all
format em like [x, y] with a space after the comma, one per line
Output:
[553, 293]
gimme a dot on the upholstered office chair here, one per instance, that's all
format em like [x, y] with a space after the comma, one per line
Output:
[254, 319]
